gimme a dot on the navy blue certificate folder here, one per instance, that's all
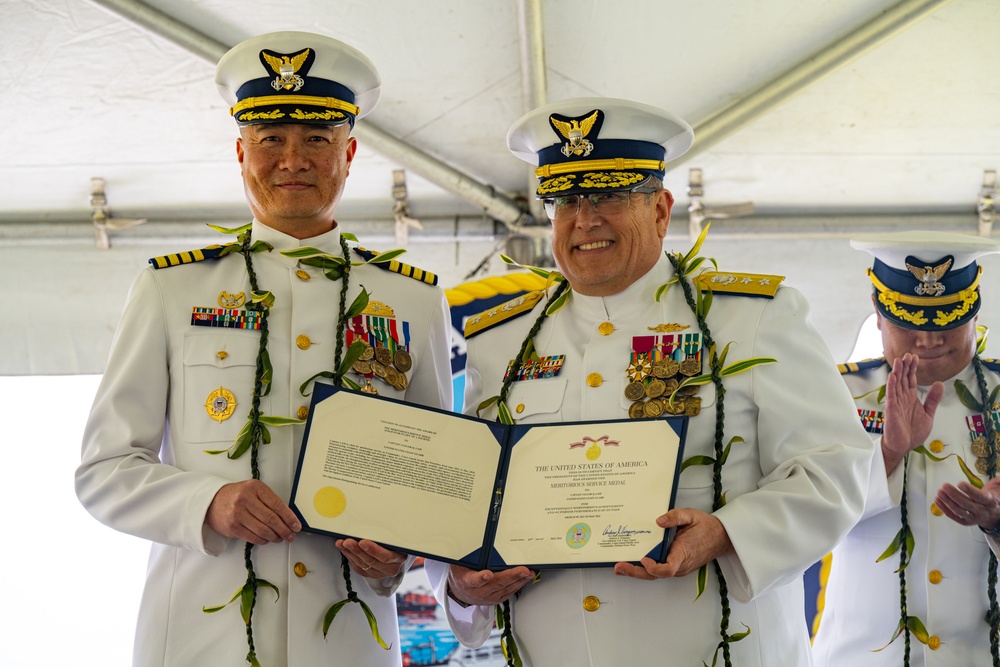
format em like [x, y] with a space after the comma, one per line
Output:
[484, 495]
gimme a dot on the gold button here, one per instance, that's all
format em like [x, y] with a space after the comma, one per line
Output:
[520, 408]
[303, 411]
[935, 577]
[595, 379]
[302, 275]
[591, 603]
[937, 446]
[303, 342]
[300, 569]
[933, 642]
[222, 354]
[606, 328]
[935, 510]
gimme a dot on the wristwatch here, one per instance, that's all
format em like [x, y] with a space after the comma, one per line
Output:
[460, 603]
[992, 532]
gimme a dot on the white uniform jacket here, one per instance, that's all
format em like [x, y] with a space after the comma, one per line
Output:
[946, 579]
[145, 470]
[793, 489]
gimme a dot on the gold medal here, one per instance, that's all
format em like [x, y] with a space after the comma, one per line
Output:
[660, 370]
[369, 388]
[979, 447]
[639, 369]
[689, 390]
[220, 404]
[634, 391]
[368, 353]
[692, 406]
[384, 355]
[401, 382]
[391, 376]
[362, 367]
[981, 465]
[656, 388]
[653, 408]
[636, 410]
[670, 368]
[690, 367]
[679, 405]
[378, 369]
[402, 360]
[671, 386]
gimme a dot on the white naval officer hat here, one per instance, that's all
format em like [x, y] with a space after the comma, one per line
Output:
[926, 280]
[297, 77]
[597, 144]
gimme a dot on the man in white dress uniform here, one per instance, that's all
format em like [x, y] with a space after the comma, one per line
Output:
[928, 419]
[195, 432]
[779, 469]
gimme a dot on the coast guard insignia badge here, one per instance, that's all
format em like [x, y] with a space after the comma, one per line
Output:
[220, 404]
[289, 67]
[576, 130]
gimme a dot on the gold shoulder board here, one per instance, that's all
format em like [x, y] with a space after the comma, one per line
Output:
[992, 364]
[742, 284]
[857, 366]
[400, 268]
[505, 312]
[189, 256]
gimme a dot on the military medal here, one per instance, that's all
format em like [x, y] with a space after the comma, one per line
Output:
[386, 340]
[634, 391]
[656, 388]
[656, 368]
[383, 355]
[652, 408]
[979, 447]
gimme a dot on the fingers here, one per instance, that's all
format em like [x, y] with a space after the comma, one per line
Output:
[483, 587]
[370, 559]
[934, 395]
[252, 512]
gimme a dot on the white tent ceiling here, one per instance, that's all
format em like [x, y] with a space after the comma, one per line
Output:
[909, 125]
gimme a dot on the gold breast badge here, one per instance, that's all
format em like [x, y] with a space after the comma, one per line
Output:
[227, 300]
[220, 404]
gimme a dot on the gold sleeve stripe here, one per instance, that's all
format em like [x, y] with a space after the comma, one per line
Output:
[272, 100]
[617, 164]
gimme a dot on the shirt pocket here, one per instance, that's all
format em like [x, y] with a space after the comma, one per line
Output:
[219, 374]
[536, 398]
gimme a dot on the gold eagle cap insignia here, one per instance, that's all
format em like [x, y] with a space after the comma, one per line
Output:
[575, 131]
[929, 278]
[286, 67]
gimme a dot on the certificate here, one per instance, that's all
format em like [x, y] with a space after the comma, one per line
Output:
[477, 493]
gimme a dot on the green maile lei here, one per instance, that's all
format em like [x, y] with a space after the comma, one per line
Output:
[903, 543]
[699, 302]
[255, 432]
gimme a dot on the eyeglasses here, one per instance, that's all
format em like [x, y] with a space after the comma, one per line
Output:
[604, 203]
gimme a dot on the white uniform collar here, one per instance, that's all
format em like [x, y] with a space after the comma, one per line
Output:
[328, 242]
[632, 299]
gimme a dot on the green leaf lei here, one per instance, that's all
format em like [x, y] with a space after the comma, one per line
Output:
[903, 542]
[255, 431]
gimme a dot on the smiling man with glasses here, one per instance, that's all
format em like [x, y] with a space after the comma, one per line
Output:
[777, 461]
